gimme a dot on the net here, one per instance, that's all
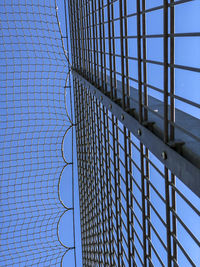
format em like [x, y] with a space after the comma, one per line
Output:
[135, 78]
[34, 119]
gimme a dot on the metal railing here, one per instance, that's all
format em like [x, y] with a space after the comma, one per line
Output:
[136, 141]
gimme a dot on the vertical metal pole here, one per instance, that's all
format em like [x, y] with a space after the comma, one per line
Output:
[165, 24]
[146, 119]
[118, 194]
[113, 51]
[144, 60]
[127, 102]
[87, 41]
[143, 205]
[80, 140]
[85, 173]
[167, 198]
[107, 174]
[77, 19]
[114, 121]
[148, 215]
[127, 162]
[104, 49]
[95, 179]
[100, 44]
[97, 46]
[122, 52]
[110, 51]
[172, 107]
[101, 178]
[172, 119]
[88, 175]
[92, 25]
[139, 61]
[91, 51]
[81, 10]
[131, 206]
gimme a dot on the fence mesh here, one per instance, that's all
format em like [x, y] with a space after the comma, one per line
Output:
[34, 119]
[134, 211]
[136, 75]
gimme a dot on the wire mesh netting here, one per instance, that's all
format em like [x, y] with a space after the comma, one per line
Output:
[136, 78]
[134, 211]
[34, 120]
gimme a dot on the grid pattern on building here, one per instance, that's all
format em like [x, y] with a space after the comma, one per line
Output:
[133, 208]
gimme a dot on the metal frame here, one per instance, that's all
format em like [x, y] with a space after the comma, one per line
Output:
[181, 167]
[108, 180]
[123, 142]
